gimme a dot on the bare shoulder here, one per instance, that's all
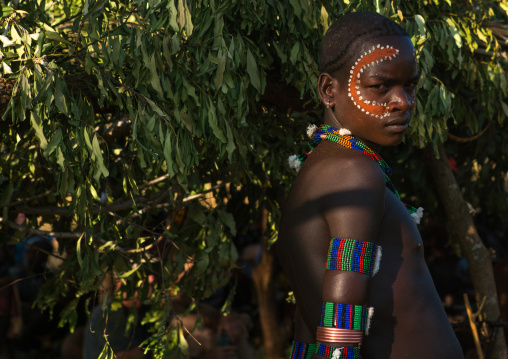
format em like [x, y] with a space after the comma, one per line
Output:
[332, 168]
[346, 188]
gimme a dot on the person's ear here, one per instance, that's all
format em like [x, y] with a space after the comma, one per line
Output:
[327, 85]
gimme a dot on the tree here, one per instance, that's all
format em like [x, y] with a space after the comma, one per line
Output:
[149, 133]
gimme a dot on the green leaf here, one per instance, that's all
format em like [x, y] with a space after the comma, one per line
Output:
[60, 97]
[181, 14]
[53, 144]
[79, 256]
[37, 126]
[6, 42]
[421, 25]
[252, 70]
[154, 78]
[212, 119]
[230, 147]
[505, 108]
[167, 154]
[55, 36]
[60, 159]
[99, 159]
[173, 18]
[295, 51]
[228, 219]
[282, 55]
[130, 272]
[219, 75]
[6, 10]
[454, 32]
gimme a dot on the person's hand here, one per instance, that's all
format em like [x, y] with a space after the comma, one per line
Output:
[233, 326]
[20, 218]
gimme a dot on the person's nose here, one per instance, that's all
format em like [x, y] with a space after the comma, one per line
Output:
[401, 100]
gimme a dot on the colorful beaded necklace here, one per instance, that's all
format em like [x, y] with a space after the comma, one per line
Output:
[326, 132]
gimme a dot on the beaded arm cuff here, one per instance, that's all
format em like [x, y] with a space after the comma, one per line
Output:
[337, 353]
[301, 350]
[346, 316]
[352, 255]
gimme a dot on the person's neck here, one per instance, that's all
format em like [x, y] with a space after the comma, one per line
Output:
[331, 120]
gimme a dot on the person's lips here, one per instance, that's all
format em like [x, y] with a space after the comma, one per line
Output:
[398, 124]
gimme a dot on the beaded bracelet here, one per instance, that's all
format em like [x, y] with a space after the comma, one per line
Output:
[302, 350]
[352, 255]
[337, 353]
[345, 316]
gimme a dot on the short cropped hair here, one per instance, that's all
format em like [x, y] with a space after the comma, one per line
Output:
[341, 43]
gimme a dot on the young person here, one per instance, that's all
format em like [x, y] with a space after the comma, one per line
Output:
[348, 244]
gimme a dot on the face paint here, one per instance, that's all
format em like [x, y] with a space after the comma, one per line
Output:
[375, 55]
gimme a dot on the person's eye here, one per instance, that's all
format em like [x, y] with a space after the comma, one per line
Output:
[379, 87]
[410, 86]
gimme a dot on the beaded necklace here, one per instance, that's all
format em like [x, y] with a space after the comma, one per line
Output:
[326, 132]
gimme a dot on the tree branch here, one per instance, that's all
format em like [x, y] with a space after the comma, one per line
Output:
[469, 139]
[29, 199]
[39, 232]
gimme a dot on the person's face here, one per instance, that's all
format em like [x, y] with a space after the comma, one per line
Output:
[374, 98]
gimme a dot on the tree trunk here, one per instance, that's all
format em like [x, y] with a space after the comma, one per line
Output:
[263, 281]
[477, 255]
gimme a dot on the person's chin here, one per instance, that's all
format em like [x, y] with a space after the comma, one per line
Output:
[395, 138]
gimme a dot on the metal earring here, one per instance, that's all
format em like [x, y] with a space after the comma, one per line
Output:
[327, 103]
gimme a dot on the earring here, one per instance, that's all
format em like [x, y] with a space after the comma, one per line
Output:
[327, 103]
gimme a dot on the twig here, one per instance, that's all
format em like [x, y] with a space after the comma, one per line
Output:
[472, 322]
[22, 279]
[41, 232]
[469, 139]
[155, 181]
[119, 206]
[29, 199]
[194, 196]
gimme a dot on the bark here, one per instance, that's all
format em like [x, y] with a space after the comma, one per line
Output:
[265, 291]
[461, 225]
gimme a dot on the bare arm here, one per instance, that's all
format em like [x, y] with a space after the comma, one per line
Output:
[357, 216]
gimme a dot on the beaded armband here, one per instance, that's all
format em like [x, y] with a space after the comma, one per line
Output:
[337, 353]
[301, 350]
[352, 255]
[346, 316]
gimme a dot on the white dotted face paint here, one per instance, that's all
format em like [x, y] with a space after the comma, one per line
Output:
[375, 55]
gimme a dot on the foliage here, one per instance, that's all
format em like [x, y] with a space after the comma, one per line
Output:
[149, 133]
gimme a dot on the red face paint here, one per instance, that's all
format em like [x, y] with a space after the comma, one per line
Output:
[375, 55]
